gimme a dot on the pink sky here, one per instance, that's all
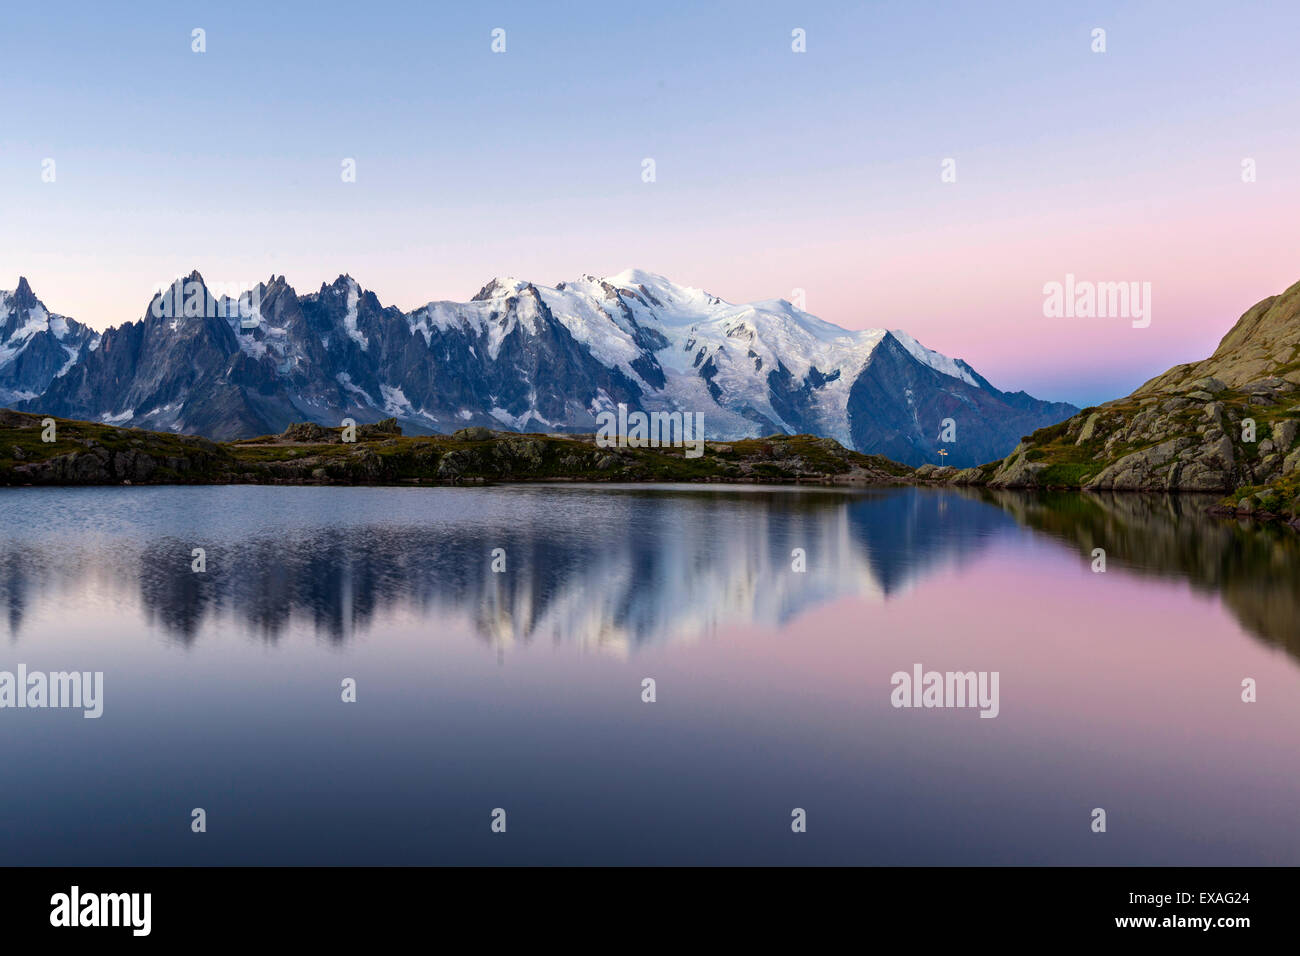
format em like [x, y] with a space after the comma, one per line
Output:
[775, 170]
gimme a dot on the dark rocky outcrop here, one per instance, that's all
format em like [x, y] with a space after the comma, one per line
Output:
[85, 453]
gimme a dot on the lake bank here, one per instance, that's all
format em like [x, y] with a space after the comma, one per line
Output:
[87, 453]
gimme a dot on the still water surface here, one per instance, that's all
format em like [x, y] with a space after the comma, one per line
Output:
[523, 690]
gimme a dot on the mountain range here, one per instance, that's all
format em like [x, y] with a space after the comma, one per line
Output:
[518, 356]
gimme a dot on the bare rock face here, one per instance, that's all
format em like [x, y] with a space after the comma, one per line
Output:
[384, 428]
[1263, 344]
[1017, 470]
[1146, 470]
[308, 433]
[1211, 385]
[133, 466]
[1229, 422]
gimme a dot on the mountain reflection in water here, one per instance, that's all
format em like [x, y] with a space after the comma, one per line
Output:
[610, 567]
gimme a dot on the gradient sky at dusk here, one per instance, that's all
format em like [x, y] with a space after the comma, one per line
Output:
[776, 170]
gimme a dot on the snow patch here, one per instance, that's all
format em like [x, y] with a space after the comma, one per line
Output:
[395, 403]
[344, 379]
[935, 360]
[72, 360]
[350, 320]
[519, 422]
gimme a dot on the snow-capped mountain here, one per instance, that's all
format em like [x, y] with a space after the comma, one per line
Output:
[36, 347]
[531, 358]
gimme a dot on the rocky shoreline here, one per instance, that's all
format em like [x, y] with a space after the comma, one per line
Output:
[1118, 447]
[1200, 436]
[1229, 425]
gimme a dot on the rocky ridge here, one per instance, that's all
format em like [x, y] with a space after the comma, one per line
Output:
[1226, 425]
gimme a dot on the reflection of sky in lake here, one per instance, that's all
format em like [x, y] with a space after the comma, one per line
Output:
[522, 690]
